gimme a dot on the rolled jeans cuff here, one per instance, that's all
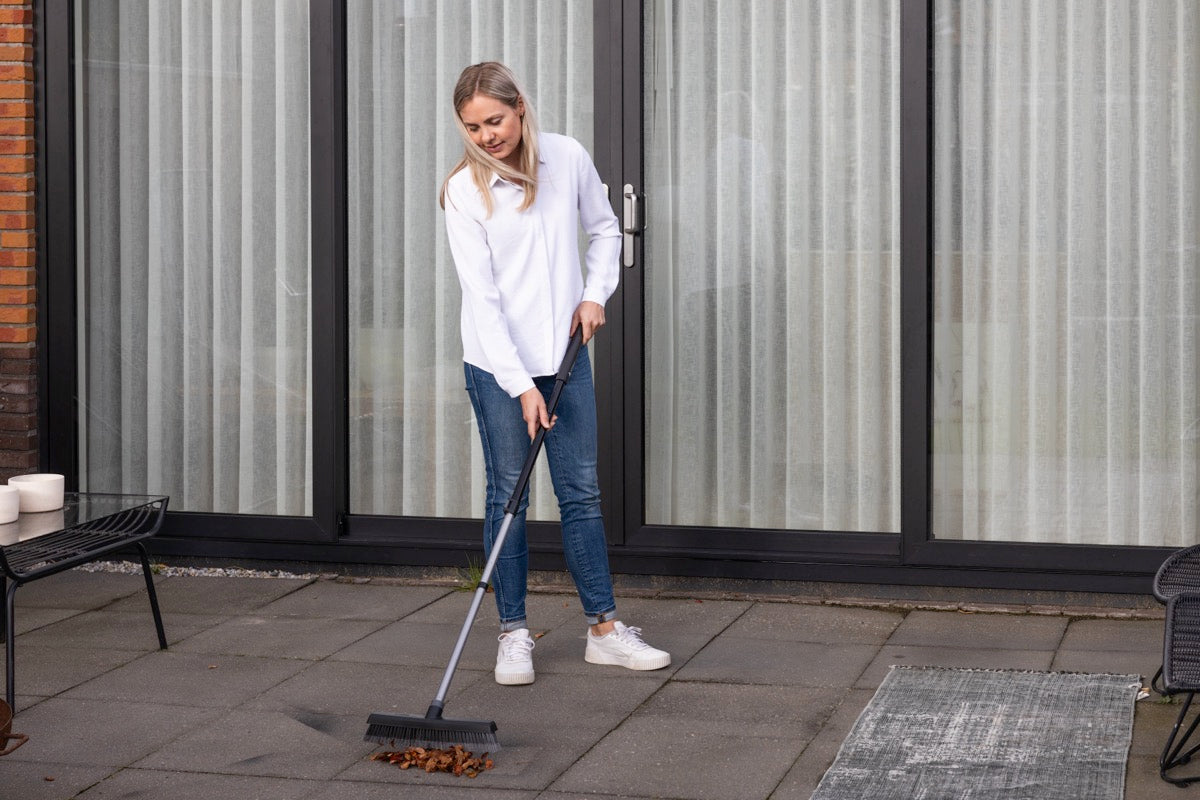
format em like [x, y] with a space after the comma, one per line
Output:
[515, 625]
[604, 616]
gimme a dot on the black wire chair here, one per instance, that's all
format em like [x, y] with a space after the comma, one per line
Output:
[1179, 573]
[1181, 675]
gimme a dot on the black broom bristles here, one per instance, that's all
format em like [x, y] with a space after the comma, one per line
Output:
[409, 730]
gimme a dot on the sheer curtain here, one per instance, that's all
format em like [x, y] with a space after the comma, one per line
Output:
[1066, 272]
[414, 449]
[193, 152]
[772, 263]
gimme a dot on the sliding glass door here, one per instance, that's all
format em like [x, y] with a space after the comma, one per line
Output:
[771, 266]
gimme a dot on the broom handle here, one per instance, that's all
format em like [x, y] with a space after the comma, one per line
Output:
[510, 511]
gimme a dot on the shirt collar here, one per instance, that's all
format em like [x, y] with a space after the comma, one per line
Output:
[496, 176]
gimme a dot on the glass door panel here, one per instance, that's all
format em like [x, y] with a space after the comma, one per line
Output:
[194, 268]
[771, 395]
[414, 449]
[1066, 297]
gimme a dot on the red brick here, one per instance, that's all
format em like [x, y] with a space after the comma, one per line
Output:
[20, 441]
[20, 315]
[16, 258]
[16, 297]
[17, 238]
[16, 164]
[18, 422]
[16, 35]
[17, 333]
[16, 108]
[16, 277]
[16, 16]
[16, 90]
[18, 461]
[18, 404]
[16, 146]
[17, 369]
[16, 127]
[17, 202]
[22, 53]
[16, 72]
[16, 222]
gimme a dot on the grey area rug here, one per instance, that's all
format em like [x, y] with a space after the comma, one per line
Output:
[940, 734]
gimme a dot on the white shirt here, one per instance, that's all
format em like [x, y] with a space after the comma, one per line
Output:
[520, 271]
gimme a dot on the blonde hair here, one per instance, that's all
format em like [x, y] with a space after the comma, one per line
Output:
[493, 79]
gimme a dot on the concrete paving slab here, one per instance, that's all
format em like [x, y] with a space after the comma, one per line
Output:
[1109, 661]
[797, 712]
[80, 590]
[100, 732]
[48, 671]
[31, 618]
[533, 756]
[146, 784]
[556, 702]
[189, 679]
[544, 611]
[808, 623]
[280, 637]
[961, 657]
[266, 743]
[119, 630]
[1134, 636]
[804, 775]
[201, 595]
[422, 645]
[1152, 720]
[346, 601]
[663, 757]
[731, 659]
[348, 687]
[468, 789]
[1142, 781]
[40, 780]
[980, 631]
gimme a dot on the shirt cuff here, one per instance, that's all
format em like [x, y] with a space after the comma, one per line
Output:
[595, 295]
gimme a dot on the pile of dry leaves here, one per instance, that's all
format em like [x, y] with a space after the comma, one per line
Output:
[457, 760]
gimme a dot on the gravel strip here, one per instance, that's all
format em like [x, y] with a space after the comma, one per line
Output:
[134, 568]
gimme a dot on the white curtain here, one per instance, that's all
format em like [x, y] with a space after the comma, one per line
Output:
[772, 264]
[414, 449]
[1066, 405]
[194, 264]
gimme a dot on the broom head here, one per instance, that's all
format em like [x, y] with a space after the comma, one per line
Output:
[409, 730]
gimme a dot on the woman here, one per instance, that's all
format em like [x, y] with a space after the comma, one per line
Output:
[514, 204]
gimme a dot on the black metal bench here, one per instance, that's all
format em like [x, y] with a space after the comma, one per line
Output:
[93, 525]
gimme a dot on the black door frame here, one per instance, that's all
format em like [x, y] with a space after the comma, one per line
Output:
[331, 535]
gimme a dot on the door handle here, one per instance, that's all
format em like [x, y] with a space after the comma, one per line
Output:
[631, 225]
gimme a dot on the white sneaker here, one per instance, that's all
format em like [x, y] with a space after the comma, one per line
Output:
[624, 647]
[514, 658]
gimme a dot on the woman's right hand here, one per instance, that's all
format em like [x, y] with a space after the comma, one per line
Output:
[533, 410]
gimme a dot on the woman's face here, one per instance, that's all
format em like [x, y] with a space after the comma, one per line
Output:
[494, 126]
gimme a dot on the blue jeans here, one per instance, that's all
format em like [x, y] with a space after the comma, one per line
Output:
[570, 448]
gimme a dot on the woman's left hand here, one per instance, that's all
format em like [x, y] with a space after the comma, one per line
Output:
[591, 316]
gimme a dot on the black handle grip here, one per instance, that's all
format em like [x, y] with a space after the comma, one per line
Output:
[572, 353]
[564, 372]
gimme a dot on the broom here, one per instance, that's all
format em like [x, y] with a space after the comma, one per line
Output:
[431, 730]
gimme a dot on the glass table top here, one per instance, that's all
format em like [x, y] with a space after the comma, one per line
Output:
[79, 508]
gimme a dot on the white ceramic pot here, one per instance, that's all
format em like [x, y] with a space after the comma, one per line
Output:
[10, 504]
[40, 491]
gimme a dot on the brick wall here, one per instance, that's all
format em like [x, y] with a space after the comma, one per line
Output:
[18, 313]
